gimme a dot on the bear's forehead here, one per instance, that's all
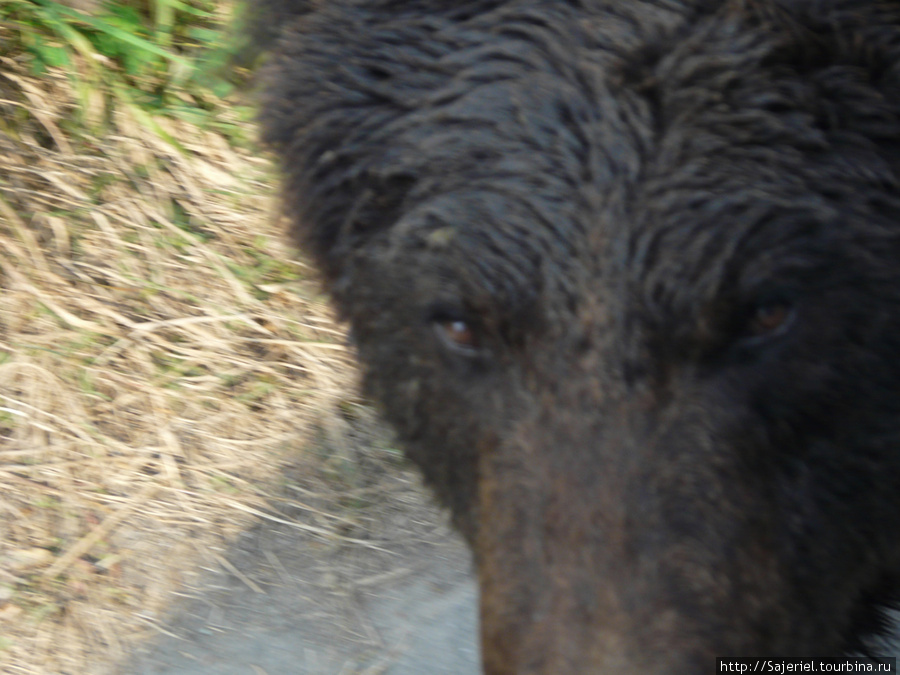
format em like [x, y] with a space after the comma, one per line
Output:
[574, 129]
[611, 161]
[607, 179]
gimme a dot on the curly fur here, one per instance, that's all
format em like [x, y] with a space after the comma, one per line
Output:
[672, 230]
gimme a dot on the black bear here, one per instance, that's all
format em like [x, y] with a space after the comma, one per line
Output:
[625, 276]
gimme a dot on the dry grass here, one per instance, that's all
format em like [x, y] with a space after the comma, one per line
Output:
[161, 358]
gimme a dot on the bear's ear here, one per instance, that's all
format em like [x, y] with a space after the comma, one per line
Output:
[334, 97]
[258, 23]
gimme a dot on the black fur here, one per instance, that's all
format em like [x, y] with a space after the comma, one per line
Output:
[625, 275]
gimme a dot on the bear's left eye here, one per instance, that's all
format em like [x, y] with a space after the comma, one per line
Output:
[460, 336]
[769, 319]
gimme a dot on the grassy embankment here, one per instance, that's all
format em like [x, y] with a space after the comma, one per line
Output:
[162, 357]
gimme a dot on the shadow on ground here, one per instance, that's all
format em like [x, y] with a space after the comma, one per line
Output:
[282, 600]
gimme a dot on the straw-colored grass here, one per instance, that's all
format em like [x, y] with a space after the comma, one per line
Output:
[161, 358]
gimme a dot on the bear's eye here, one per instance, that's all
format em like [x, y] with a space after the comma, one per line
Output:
[458, 335]
[769, 319]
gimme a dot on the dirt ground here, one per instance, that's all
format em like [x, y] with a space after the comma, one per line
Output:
[281, 601]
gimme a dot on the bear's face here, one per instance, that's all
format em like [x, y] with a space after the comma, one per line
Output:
[624, 279]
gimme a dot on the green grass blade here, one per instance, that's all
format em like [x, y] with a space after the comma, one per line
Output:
[115, 32]
[164, 16]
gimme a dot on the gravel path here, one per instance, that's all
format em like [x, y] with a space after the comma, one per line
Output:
[285, 603]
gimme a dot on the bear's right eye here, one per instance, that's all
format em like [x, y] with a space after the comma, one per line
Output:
[460, 336]
[766, 320]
